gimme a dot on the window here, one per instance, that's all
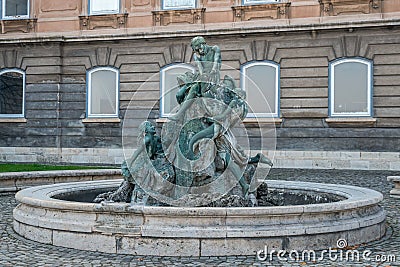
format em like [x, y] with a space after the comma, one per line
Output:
[257, 2]
[260, 80]
[103, 93]
[12, 93]
[97, 7]
[12, 9]
[178, 4]
[350, 87]
[169, 86]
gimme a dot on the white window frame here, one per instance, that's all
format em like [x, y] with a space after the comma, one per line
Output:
[259, 2]
[332, 66]
[193, 5]
[22, 115]
[3, 11]
[89, 93]
[115, 11]
[276, 66]
[163, 92]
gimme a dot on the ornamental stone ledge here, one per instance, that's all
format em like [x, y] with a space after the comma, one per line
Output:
[181, 16]
[342, 7]
[289, 25]
[264, 11]
[13, 120]
[101, 120]
[113, 21]
[351, 121]
[18, 25]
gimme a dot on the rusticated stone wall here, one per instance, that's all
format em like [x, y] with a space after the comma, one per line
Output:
[56, 86]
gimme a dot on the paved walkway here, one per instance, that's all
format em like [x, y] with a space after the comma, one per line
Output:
[17, 251]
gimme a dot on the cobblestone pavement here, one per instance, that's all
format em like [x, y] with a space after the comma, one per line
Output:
[17, 251]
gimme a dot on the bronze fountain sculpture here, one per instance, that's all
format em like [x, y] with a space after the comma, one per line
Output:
[209, 109]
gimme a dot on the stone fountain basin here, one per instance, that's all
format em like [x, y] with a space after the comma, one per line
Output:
[196, 231]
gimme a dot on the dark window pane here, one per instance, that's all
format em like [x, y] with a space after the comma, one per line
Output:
[16, 8]
[11, 93]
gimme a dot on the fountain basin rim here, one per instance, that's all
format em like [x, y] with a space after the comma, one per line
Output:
[354, 197]
[195, 231]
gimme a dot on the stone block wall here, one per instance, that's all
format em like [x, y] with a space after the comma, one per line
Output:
[56, 89]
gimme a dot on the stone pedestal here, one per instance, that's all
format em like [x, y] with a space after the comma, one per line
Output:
[395, 192]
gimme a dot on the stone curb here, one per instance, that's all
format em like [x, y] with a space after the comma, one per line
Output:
[15, 181]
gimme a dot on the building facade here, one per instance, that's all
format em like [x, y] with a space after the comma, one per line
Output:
[328, 69]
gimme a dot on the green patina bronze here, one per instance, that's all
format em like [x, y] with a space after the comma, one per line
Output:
[182, 160]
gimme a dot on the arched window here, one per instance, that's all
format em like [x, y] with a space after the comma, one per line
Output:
[178, 4]
[169, 86]
[103, 92]
[15, 9]
[260, 80]
[97, 7]
[12, 93]
[350, 87]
